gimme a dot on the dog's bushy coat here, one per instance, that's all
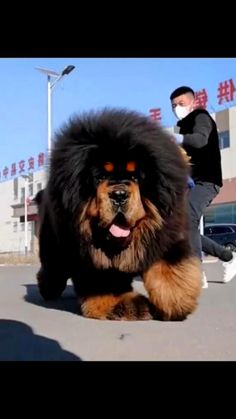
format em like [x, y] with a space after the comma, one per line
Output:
[88, 233]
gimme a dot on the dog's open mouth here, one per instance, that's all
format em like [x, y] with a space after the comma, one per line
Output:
[119, 228]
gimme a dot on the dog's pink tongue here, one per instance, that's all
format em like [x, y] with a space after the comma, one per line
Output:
[117, 231]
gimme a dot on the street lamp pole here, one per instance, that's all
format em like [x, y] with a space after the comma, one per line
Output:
[51, 74]
[49, 114]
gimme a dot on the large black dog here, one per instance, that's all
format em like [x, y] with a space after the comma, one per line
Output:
[115, 207]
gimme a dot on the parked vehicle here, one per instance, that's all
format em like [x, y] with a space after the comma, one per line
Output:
[224, 234]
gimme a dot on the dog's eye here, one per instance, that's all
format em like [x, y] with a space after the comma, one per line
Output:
[131, 166]
[109, 167]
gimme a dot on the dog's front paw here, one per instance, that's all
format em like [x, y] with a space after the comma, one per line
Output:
[128, 306]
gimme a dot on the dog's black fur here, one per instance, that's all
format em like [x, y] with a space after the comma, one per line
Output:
[76, 170]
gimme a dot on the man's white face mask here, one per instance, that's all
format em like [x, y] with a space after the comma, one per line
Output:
[182, 111]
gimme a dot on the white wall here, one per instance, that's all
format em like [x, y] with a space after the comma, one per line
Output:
[10, 240]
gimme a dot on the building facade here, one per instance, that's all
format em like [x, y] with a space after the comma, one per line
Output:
[223, 208]
[12, 215]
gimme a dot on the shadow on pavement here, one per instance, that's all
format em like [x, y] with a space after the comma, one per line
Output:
[67, 302]
[19, 343]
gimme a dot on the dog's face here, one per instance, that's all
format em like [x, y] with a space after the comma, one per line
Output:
[117, 208]
[120, 178]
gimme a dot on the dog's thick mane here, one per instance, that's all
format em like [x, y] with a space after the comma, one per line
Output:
[114, 207]
[86, 141]
[82, 143]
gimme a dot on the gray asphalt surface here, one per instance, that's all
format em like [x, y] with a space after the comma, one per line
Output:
[31, 329]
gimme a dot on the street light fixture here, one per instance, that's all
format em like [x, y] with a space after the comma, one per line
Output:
[51, 74]
[68, 69]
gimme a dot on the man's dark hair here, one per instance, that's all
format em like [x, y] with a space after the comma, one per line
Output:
[181, 91]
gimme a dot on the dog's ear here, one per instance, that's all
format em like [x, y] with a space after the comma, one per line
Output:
[39, 197]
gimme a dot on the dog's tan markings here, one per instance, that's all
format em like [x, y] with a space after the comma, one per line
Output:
[127, 306]
[174, 289]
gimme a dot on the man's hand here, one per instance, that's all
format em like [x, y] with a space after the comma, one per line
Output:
[191, 183]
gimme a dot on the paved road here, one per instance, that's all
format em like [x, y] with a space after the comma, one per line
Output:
[30, 329]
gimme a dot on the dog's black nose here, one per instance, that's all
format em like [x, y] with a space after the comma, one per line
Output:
[119, 196]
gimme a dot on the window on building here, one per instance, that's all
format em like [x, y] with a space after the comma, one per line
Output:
[222, 213]
[234, 213]
[31, 189]
[15, 189]
[22, 195]
[15, 226]
[224, 139]
[22, 226]
[31, 177]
